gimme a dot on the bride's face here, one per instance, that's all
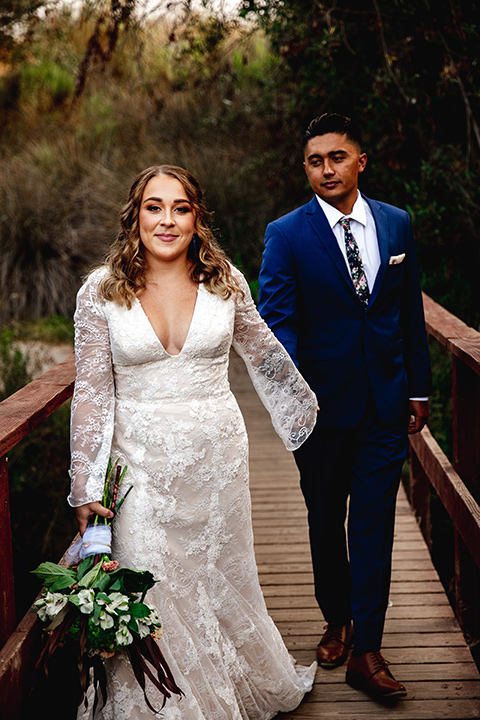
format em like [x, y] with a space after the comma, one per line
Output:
[166, 220]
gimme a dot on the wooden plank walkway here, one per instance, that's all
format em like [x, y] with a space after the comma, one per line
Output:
[422, 640]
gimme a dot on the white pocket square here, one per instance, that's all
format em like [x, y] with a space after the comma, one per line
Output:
[396, 259]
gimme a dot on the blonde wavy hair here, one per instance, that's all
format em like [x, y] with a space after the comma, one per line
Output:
[126, 260]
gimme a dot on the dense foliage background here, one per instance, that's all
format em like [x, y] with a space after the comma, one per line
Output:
[408, 70]
[93, 91]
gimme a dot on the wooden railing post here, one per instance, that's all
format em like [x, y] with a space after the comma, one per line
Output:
[467, 592]
[419, 496]
[19, 415]
[466, 424]
[458, 484]
[7, 596]
[466, 461]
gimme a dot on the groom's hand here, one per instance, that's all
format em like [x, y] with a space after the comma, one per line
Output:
[418, 415]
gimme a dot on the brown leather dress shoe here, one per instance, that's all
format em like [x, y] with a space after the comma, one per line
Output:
[332, 650]
[370, 673]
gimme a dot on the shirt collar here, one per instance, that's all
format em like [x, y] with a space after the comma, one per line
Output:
[333, 215]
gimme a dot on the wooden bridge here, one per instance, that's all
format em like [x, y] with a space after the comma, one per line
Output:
[422, 640]
[423, 637]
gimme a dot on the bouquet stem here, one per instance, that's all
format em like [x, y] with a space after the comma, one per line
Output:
[164, 682]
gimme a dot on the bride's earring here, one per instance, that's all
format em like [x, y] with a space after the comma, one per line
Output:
[196, 242]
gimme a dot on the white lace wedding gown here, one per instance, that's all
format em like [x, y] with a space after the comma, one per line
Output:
[174, 422]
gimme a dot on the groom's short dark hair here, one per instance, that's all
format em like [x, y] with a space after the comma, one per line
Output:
[333, 123]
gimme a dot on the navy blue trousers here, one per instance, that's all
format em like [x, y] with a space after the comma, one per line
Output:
[358, 468]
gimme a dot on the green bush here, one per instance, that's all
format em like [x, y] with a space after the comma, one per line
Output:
[13, 366]
[51, 330]
[410, 75]
[47, 84]
[42, 523]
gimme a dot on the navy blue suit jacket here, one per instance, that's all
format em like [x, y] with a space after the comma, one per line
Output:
[340, 347]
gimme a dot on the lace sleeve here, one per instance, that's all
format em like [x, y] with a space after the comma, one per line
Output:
[283, 391]
[92, 416]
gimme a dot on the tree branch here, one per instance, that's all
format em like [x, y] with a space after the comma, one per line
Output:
[387, 56]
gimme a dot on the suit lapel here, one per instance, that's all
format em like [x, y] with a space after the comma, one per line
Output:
[323, 231]
[383, 236]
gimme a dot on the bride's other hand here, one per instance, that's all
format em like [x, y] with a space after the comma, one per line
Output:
[84, 512]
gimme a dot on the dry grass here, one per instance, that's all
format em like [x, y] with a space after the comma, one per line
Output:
[184, 95]
[53, 226]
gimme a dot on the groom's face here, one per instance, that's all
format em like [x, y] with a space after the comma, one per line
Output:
[332, 163]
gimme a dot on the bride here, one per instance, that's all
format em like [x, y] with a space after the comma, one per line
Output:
[153, 331]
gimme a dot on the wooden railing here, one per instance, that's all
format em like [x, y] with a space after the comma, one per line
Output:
[457, 485]
[19, 415]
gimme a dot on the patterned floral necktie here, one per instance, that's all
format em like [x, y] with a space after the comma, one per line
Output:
[355, 261]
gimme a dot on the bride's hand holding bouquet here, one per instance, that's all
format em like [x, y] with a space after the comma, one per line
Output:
[100, 606]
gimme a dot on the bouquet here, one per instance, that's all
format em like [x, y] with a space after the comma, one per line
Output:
[102, 608]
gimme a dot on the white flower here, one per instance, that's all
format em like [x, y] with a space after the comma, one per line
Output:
[50, 605]
[123, 635]
[41, 606]
[41, 610]
[153, 617]
[116, 601]
[105, 621]
[143, 628]
[85, 601]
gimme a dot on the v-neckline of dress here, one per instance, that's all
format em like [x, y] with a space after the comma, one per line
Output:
[189, 331]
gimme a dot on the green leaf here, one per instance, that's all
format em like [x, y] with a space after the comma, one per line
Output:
[62, 583]
[103, 582]
[135, 581]
[91, 578]
[139, 610]
[53, 575]
[133, 626]
[97, 609]
[85, 566]
[116, 586]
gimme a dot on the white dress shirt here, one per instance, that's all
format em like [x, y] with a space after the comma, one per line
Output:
[364, 231]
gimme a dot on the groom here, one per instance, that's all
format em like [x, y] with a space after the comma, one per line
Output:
[339, 287]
